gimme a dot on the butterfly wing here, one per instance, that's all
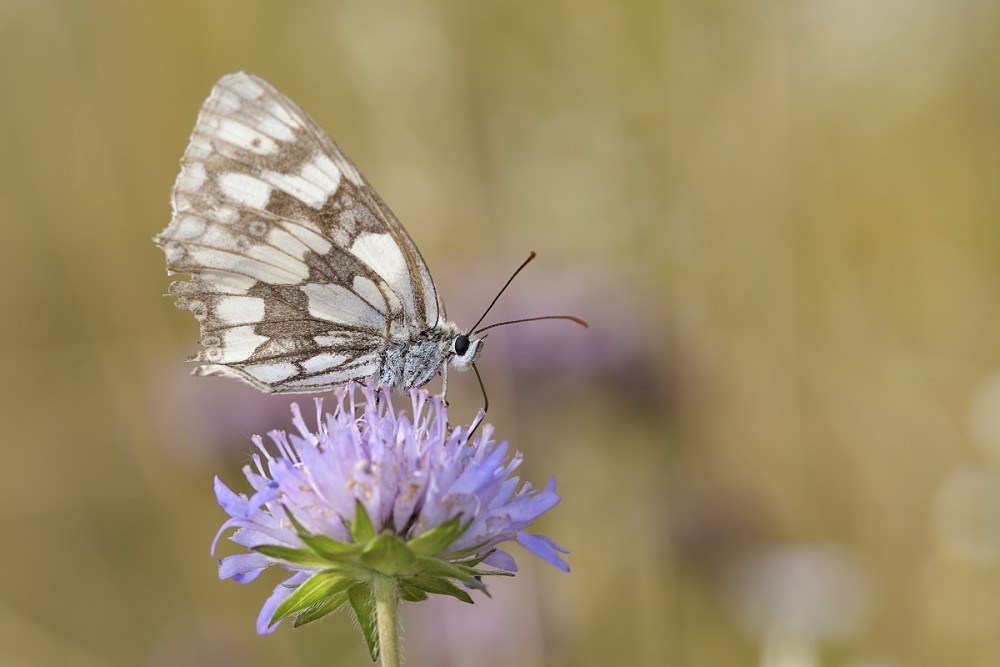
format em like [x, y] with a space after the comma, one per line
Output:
[300, 274]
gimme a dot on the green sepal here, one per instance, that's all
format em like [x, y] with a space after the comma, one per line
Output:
[362, 529]
[494, 573]
[435, 567]
[438, 586]
[411, 593]
[305, 557]
[326, 547]
[312, 592]
[475, 550]
[434, 541]
[300, 530]
[475, 560]
[332, 550]
[320, 610]
[388, 554]
[363, 603]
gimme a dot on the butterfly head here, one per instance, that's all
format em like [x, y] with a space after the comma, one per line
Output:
[465, 349]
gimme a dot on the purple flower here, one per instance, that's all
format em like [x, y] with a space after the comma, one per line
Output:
[373, 493]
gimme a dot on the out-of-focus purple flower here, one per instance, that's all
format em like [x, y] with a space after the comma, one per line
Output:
[218, 417]
[369, 493]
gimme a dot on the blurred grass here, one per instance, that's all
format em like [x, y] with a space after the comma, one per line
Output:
[799, 202]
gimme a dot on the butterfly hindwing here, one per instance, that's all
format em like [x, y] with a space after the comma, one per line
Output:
[300, 274]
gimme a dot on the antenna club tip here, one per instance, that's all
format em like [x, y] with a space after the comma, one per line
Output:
[532, 254]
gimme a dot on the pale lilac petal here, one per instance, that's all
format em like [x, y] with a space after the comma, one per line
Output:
[270, 492]
[281, 591]
[232, 503]
[529, 508]
[544, 548]
[501, 560]
[243, 568]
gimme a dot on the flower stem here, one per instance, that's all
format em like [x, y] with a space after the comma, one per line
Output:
[387, 617]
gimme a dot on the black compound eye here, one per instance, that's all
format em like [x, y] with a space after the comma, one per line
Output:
[461, 344]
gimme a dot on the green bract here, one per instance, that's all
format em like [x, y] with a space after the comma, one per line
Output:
[349, 571]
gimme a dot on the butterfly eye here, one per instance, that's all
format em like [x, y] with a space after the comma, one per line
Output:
[461, 344]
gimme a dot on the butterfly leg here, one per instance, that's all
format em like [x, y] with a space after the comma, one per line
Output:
[444, 385]
[486, 405]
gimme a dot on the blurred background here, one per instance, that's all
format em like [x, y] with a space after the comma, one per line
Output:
[777, 444]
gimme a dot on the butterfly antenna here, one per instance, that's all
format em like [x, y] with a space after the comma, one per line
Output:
[502, 289]
[572, 318]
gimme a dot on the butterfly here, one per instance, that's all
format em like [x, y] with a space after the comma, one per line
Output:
[301, 277]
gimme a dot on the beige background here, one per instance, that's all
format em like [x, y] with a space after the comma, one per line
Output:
[781, 218]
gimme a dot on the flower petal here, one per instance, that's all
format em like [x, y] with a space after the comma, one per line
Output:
[501, 560]
[281, 591]
[544, 548]
[268, 494]
[243, 568]
[233, 503]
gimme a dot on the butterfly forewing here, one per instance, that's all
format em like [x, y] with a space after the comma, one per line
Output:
[301, 276]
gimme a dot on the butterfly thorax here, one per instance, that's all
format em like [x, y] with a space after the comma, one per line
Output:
[415, 362]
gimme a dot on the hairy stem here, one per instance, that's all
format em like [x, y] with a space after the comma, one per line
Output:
[387, 617]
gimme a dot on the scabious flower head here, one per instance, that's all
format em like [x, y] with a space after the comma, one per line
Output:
[370, 493]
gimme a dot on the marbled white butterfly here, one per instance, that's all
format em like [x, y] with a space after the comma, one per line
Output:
[302, 279]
